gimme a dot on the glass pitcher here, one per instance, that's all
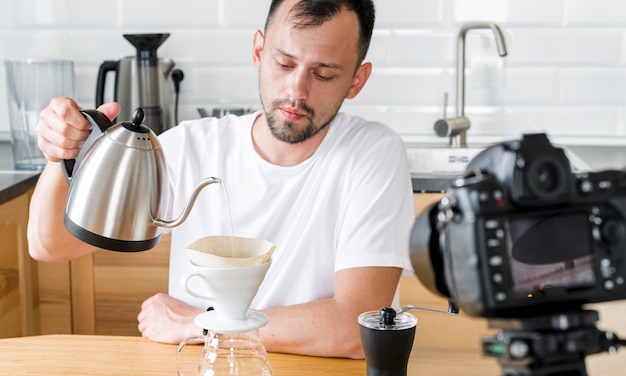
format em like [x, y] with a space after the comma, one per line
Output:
[228, 354]
[31, 84]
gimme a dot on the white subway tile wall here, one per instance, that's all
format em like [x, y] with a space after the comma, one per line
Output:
[565, 73]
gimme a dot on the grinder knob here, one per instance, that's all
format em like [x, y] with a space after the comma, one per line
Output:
[387, 316]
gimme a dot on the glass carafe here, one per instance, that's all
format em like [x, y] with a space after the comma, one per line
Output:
[228, 354]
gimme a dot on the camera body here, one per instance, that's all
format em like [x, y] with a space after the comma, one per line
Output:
[521, 235]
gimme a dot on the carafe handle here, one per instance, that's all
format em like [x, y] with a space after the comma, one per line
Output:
[99, 123]
[180, 349]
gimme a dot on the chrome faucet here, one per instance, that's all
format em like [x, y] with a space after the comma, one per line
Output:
[458, 125]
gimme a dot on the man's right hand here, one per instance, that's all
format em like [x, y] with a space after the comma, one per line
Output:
[62, 129]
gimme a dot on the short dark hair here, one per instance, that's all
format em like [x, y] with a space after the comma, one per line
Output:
[310, 13]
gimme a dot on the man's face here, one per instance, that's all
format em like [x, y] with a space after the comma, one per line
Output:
[306, 73]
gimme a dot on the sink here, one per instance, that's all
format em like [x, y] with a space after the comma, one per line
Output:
[433, 169]
[437, 161]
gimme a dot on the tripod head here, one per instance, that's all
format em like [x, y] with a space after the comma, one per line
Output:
[549, 345]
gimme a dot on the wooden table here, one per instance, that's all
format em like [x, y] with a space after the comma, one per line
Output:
[114, 355]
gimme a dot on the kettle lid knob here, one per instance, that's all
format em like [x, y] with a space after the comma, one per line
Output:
[137, 117]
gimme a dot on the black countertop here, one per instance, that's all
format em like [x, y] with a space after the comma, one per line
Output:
[13, 183]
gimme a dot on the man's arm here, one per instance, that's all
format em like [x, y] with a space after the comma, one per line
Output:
[329, 327]
[48, 240]
[325, 327]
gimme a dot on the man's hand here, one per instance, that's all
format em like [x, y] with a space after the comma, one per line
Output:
[168, 320]
[62, 129]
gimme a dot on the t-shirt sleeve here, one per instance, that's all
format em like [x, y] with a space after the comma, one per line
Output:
[378, 215]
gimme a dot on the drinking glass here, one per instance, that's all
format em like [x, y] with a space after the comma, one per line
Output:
[31, 84]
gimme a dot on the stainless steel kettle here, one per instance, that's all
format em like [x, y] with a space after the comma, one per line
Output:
[118, 186]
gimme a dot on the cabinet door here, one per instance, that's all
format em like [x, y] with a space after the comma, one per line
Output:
[55, 301]
[122, 281]
[17, 277]
[101, 293]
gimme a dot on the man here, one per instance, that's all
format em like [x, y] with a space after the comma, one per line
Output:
[331, 191]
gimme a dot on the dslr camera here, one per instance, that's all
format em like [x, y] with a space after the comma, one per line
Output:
[521, 234]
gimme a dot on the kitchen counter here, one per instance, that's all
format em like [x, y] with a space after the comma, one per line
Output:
[13, 182]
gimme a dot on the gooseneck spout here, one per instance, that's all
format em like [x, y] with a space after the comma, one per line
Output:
[176, 222]
[459, 125]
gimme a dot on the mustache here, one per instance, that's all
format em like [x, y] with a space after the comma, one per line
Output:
[299, 105]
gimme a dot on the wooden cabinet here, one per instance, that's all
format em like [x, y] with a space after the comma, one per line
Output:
[122, 281]
[101, 293]
[18, 286]
[54, 305]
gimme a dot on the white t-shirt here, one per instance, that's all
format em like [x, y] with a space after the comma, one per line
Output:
[348, 205]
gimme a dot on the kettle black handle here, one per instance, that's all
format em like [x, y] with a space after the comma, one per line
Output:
[106, 67]
[99, 123]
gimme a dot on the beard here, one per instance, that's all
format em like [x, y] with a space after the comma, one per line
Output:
[288, 131]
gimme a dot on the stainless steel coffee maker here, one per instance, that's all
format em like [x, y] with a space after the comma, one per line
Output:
[145, 81]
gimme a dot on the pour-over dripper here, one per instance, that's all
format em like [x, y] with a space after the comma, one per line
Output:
[228, 283]
[230, 292]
